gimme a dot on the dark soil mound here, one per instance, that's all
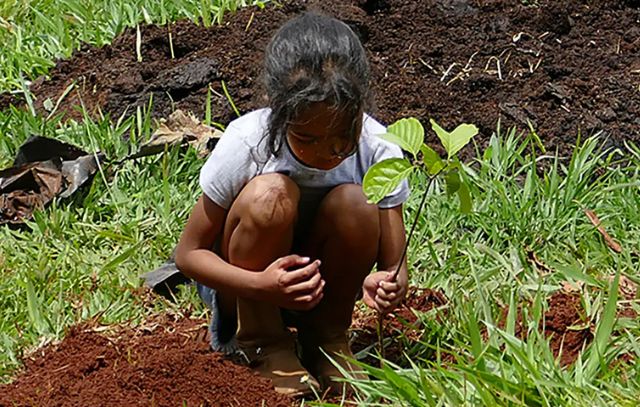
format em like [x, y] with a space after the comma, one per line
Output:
[165, 363]
[564, 66]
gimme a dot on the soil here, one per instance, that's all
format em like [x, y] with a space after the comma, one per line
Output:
[566, 326]
[401, 329]
[166, 362]
[566, 67]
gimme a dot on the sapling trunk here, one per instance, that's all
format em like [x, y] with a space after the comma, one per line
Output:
[394, 276]
[386, 175]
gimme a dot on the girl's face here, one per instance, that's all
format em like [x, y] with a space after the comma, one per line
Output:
[319, 136]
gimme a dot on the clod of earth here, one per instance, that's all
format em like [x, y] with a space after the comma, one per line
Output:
[564, 325]
[565, 313]
[565, 322]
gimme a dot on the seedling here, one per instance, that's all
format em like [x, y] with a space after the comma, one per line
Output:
[385, 176]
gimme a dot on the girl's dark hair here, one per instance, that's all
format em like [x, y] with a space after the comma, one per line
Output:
[314, 58]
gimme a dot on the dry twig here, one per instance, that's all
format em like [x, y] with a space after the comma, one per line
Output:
[613, 245]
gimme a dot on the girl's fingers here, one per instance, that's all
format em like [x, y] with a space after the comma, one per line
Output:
[300, 275]
[382, 303]
[307, 286]
[387, 301]
[291, 261]
[385, 295]
[371, 303]
[389, 286]
[309, 301]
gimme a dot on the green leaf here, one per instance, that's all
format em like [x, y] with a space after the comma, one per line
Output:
[452, 180]
[122, 257]
[405, 387]
[34, 309]
[465, 198]
[572, 271]
[510, 325]
[431, 159]
[407, 133]
[384, 177]
[475, 337]
[457, 139]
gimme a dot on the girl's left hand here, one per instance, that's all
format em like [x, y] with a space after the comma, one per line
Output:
[382, 294]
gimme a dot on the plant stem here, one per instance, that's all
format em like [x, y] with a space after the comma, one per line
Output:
[413, 226]
[380, 327]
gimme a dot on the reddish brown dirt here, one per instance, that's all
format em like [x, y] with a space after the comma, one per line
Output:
[165, 363]
[564, 66]
[564, 324]
[401, 329]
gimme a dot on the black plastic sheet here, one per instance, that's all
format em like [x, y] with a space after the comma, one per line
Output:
[43, 169]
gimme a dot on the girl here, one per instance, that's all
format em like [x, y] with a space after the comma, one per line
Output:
[282, 235]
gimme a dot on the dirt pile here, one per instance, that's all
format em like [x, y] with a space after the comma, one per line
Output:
[166, 362]
[566, 326]
[563, 66]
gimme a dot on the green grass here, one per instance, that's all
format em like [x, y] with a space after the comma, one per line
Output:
[82, 258]
[481, 262]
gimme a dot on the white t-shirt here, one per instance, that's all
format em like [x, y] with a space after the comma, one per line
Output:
[242, 153]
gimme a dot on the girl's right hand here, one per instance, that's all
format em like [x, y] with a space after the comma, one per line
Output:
[289, 285]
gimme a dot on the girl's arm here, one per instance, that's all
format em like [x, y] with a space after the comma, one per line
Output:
[195, 258]
[379, 292]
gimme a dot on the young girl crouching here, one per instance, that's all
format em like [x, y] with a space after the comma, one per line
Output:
[282, 235]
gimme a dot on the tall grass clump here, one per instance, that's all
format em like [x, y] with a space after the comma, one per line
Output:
[82, 258]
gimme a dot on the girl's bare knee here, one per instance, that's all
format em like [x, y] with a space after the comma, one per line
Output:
[270, 201]
[347, 210]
